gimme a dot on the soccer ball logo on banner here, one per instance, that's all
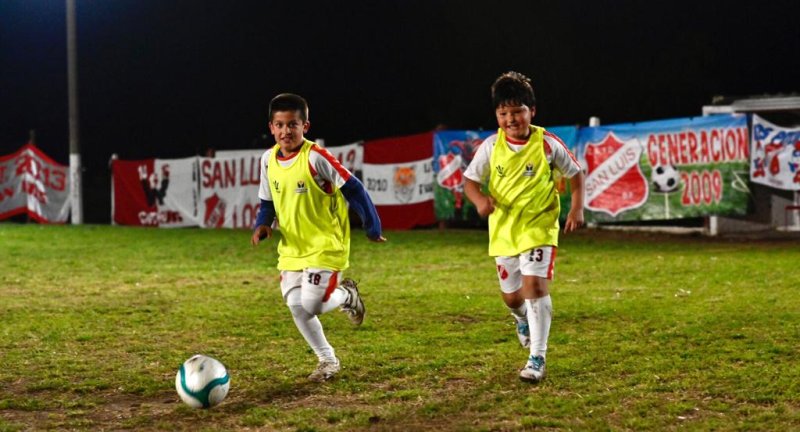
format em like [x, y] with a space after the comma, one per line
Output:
[665, 178]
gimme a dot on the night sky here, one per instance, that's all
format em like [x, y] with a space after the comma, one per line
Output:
[170, 78]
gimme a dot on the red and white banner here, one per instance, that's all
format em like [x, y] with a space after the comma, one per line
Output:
[229, 191]
[154, 192]
[401, 183]
[398, 175]
[615, 181]
[32, 183]
[775, 155]
[197, 191]
[351, 156]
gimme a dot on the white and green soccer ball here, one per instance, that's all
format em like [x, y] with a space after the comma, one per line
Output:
[202, 382]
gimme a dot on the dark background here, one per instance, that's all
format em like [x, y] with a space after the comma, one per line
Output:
[171, 78]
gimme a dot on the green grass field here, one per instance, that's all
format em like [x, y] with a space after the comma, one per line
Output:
[650, 332]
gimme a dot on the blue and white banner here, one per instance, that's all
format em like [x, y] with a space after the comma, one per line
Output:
[776, 155]
[452, 152]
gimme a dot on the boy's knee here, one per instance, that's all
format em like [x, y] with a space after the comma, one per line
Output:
[292, 298]
[312, 305]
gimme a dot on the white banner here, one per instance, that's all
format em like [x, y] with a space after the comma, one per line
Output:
[173, 188]
[775, 155]
[229, 191]
[32, 183]
[350, 155]
[227, 154]
[397, 184]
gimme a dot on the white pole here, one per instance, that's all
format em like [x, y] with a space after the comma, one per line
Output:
[76, 198]
[111, 167]
[713, 226]
[796, 218]
[593, 122]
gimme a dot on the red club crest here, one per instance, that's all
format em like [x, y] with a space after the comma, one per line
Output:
[501, 271]
[615, 182]
[215, 212]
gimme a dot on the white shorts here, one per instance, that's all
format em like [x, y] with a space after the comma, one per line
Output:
[314, 283]
[539, 262]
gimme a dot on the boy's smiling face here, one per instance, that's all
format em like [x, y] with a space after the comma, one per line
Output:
[515, 120]
[288, 128]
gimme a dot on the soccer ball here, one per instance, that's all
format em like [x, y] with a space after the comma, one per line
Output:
[202, 382]
[665, 178]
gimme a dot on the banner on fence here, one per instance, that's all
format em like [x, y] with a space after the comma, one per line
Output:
[452, 152]
[196, 191]
[666, 169]
[351, 156]
[775, 155]
[31, 183]
[398, 176]
[228, 191]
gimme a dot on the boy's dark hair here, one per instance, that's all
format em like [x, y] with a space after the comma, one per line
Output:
[288, 102]
[512, 89]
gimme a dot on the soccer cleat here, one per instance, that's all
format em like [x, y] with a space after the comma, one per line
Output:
[353, 306]
[325, 370]
[533, 371]
[524, 334]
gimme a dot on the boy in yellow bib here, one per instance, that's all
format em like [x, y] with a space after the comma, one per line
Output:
[307, 191]
[523, 210]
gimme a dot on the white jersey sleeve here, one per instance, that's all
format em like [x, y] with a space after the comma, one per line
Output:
[560, 157]
[476, 171]
[326, 167]
[556, 152]
[263, 188]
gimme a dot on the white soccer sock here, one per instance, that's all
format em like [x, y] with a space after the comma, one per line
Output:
[312, 300]
[338, 296]
[540, 314]
[311, 329]
[520, 312]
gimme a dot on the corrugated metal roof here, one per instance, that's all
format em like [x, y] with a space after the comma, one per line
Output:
[766, 104]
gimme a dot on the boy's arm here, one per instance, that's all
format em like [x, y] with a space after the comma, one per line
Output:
[475, 172]
[263, 226]
[355, 194]
[266, 210]
[575, 215]
[484, 204]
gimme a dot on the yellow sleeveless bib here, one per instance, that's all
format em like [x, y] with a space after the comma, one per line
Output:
[526, 201]
[315, 229]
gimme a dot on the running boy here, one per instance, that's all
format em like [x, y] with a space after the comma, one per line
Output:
[523, 210]
[307, 190]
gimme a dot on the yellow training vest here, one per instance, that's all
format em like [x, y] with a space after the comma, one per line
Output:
[526, 200]
[315, 230]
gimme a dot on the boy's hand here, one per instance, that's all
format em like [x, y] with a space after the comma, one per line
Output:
[485, 206]
[574, 220]
[260, 233]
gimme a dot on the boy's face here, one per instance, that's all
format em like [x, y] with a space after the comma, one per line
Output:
[515, 120]
[288, 129]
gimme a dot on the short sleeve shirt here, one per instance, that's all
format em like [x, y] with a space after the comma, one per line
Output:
[327, 171]
[556, 152]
